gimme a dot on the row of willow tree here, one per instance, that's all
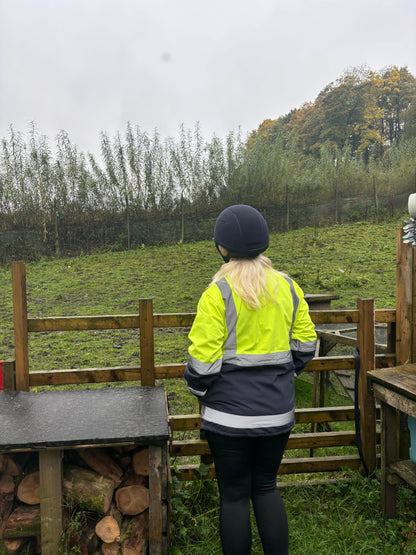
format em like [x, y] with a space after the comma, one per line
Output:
[357, 139]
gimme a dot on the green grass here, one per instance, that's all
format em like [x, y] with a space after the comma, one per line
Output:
[353, 261]
[335, 519]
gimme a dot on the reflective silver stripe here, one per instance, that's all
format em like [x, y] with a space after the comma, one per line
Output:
[295, 300]
[238, 421]
[205, 368]
[196, 392]
[303, 346]
[230, 315]
[283, 357]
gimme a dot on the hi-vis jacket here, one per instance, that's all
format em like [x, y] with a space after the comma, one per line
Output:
[243, 362]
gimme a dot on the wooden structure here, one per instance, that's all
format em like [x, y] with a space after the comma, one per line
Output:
[396, 387]
[365, 317]
[396, 390]
[50, 422]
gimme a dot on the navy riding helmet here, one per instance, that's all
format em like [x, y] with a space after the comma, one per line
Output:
[242, 230]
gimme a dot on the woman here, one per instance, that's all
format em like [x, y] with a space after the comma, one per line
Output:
[251, 336]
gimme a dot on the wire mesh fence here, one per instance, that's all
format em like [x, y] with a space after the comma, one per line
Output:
[29, 237]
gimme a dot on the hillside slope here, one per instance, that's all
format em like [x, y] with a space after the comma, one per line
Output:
[350, 260]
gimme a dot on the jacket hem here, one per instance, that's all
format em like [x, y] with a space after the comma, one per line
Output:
[245, 432]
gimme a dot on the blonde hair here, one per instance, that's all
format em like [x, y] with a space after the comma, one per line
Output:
[248, 277]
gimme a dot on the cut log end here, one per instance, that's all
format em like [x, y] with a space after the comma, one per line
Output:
[6, 484]
[28, 490]
[108, 530]
[132, 500]
[141, 462]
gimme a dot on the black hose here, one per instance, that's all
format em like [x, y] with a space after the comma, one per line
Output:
[357, 409]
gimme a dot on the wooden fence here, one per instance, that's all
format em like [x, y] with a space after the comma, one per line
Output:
[365, 316]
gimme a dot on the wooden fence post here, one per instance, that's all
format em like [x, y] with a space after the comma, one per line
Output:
[366, 345]
[404, 301]
[20, 326]
[155, 500]
[147, 356]
[405, 332]
[9, 377]
[50, 469]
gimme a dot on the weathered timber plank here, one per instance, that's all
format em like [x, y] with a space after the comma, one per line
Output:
[180, 422]
[86, 375]
[319, 464]
[390, 455]
[407, 406]
[169, 371]
[147, 349]
[183, 448]
[302, 416]
[385, 315]
[350, 316]
[50, 466]
[187, 473]
[155, 500]
[9, 375]
[400, 378]
[321, 439]
[406, 470]
[323, 414]
[173, 320]
[335, 337]
[404, 312]
[288, 466]
[98, 375]
[385, 360]
[189, 448]
[366, 345]
[21, 347]
[334, 316]
[82, 323]
[345, 362]
[106, 322]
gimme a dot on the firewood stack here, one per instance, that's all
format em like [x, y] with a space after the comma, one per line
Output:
[105, 496]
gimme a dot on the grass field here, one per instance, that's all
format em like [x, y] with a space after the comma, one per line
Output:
[352, 261]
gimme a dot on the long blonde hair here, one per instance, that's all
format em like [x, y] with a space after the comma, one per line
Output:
[248, 276]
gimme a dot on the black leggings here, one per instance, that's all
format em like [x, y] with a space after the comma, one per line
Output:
[246, 469]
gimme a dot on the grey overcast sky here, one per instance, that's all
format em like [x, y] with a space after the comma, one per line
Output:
[87, 66]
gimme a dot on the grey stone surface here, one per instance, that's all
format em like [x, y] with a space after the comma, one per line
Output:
[32, 420]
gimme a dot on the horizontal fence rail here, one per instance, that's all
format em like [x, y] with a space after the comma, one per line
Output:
[170, 371]
[177, 320]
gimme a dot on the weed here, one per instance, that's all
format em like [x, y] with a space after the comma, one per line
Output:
[194, 516]
[71, 534]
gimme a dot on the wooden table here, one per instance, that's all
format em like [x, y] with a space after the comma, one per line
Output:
[51, 421]
[320, 301]
[396, 390]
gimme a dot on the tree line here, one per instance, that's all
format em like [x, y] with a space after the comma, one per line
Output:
[356, 139]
